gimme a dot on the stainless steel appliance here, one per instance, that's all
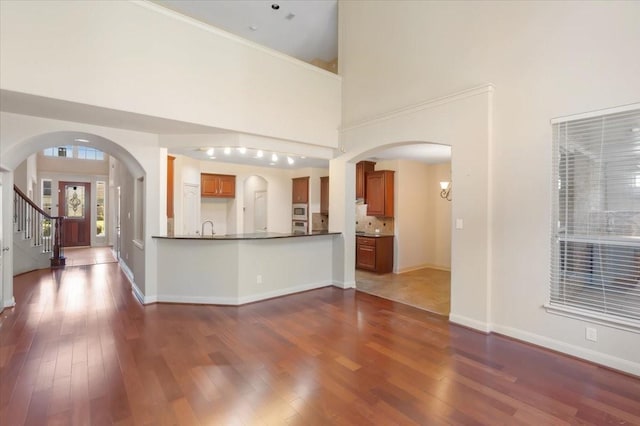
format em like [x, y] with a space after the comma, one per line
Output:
[299, 227]
[299, 212]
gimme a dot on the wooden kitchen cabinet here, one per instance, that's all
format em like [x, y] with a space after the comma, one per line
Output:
[379, 197]
[375, 253]
[324, 195]
[300, 190]
[214, 185]
[362, 168]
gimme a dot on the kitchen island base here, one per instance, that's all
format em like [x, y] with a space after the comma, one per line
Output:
[235, 271]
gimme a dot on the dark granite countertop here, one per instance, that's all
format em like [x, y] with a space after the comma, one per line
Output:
[251, 236]
[373, 234]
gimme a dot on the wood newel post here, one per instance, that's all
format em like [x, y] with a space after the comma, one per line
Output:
[58, 258]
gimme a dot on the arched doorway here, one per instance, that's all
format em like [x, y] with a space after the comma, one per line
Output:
[131, 170]
[405, 256]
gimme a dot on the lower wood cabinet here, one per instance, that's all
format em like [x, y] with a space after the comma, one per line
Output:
[375, 253]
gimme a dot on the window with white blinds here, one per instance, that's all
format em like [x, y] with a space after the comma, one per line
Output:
[595, 265]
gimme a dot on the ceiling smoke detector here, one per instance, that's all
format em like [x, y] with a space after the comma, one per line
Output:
[275, 6]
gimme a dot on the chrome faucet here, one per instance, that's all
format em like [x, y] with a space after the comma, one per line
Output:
[203, 224]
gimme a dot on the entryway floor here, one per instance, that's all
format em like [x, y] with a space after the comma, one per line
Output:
[83, 256]
[428, 289]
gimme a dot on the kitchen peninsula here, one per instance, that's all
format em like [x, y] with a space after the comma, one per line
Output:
[242, 268]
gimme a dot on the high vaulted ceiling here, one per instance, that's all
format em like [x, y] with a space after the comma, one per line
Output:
[304, 29]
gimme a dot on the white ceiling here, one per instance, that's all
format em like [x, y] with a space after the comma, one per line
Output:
[304, 29]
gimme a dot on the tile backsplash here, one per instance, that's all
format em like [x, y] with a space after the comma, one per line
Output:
[319, 222]
[369, 224]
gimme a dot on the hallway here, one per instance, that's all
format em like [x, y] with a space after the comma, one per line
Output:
[85, 256]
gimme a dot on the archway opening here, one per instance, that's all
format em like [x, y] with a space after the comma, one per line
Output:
[121, 169]
[405, 254]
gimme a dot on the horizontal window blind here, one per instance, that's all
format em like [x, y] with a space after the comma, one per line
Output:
[595, 264]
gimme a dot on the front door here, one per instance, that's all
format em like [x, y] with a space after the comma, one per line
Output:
[74, 200]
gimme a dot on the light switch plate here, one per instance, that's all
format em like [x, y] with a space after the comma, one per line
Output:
[459, 224]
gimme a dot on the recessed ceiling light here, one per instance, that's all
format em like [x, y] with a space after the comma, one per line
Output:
[242, 150]
[253, 27]
[274, 157]
[81, 140]
[227, 151]
[290, 16]
[259, 154]
[289, 160]
[635, 129]
[210, 152]
[275, 6]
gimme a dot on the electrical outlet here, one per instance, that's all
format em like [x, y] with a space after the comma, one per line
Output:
[591, 334]
[259, 279]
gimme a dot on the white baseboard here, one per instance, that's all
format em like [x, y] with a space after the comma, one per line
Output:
[235, 301]
[470, 322]
[144, 300]
[282, 292]
[9, 303]
[344, 284]
[577, 351]
[424, 266]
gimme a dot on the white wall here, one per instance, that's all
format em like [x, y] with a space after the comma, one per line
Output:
[545, 59]
[422, 218]
[175, 68]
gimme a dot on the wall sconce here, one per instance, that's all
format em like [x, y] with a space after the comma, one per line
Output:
[445, 190]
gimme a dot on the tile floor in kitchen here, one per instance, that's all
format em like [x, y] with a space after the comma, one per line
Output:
[428, 289]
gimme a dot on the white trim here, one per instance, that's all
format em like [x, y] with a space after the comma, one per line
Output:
[596, 113]
[219, 32]
[423, 266]
[235, 301]
[566, 348]
[137, 293]
[9, 303]
[593, 317]
[412, 109]
[344, 285]
[126, 270]
[140, 297]
[138, 243]
[470, 322]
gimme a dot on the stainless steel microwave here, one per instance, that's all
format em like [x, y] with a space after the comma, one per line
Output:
[299, 212]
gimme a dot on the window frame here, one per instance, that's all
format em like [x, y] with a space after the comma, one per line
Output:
[560, 235]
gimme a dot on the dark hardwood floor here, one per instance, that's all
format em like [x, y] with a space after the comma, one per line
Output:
[79, 349]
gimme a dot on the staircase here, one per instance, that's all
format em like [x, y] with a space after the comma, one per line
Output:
[37, 240]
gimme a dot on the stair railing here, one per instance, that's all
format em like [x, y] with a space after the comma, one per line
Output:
[38, 226]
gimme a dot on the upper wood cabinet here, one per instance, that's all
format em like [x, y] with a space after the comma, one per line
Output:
[362, 168]
[324, 195]
[380, 193]
[300, 190]
[221, 186]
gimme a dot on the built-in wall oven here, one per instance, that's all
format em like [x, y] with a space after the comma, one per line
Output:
[299, 227]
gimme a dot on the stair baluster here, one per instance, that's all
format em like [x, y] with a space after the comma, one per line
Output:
[38, 226]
